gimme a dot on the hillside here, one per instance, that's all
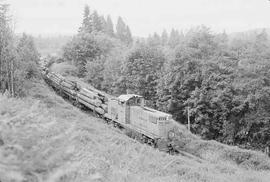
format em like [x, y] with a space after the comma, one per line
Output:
[46, 139]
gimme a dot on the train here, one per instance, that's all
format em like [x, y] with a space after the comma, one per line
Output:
[127, 111]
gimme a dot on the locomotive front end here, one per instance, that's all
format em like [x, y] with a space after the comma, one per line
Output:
[166, 133]
[165, 125]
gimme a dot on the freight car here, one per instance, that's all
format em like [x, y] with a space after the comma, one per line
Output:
[126, 111]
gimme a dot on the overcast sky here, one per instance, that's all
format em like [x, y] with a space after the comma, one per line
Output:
[143, 16]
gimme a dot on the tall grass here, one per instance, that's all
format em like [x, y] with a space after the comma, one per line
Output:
[216, 152]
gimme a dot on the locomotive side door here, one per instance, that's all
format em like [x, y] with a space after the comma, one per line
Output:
[122, 112]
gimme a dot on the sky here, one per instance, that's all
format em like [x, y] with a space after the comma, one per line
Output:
[48, 17]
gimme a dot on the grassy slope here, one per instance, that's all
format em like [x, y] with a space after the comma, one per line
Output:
[47, 139]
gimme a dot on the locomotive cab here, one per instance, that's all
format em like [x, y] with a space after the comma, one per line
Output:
[132, 100]
[119, 108]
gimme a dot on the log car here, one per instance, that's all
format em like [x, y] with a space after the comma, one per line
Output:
[63, 86]
[90, 100]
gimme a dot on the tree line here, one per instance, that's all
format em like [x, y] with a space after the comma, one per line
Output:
[18, 57]
[93, 22]
[223, 80]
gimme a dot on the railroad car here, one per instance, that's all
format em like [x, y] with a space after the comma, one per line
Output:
[91, 100]
[62, 85]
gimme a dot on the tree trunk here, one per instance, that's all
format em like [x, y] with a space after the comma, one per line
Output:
[8, 77]
[1, 62]
[12, 77]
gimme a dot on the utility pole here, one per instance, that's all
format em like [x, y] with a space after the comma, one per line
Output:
[188, 118]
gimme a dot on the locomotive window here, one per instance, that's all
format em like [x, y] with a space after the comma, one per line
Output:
[134, 101]
[131, 102]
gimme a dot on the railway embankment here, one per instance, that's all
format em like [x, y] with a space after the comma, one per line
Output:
[44, 138]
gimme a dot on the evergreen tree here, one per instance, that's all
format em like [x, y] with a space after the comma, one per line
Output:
[154, 40]
[7, 58]
[128, 35]
[97, 24]
[87, 25]
[121, 29]
[221, 40]
[149, 39]
[103, 24]
[174, 39]
[202, 40]
[261, 42]
[164, 37]
[109, 27]
[123, 32]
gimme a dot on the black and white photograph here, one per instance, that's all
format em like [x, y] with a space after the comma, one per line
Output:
[134, 91]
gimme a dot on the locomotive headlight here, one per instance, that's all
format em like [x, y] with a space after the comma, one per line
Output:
[171, 134]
